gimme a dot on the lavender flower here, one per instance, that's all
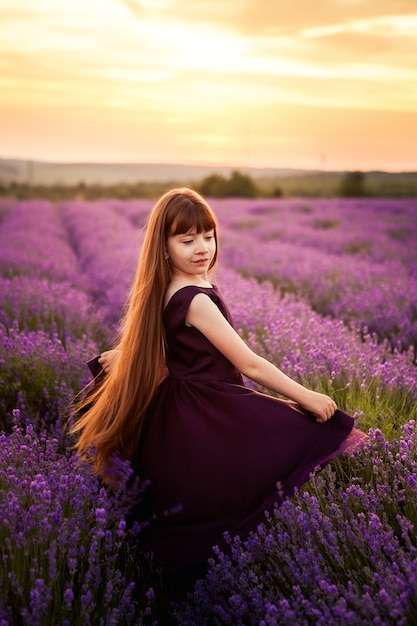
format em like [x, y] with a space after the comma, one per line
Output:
[62, 536]
[39, 377]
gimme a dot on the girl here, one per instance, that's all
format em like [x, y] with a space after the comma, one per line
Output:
[215, 452]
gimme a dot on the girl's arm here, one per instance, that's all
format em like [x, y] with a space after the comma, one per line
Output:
[204, 315]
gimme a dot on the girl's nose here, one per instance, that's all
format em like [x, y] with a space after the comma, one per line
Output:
[201, 245]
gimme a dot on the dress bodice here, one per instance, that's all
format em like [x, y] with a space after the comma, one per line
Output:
[189, 354]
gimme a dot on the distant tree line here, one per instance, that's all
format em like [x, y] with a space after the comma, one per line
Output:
[83, 191]
[353, 185]
[237, 185]
[313, 184]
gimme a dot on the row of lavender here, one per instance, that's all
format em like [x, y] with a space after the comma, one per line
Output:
[66, 555]
[355, 260]
[66, 270]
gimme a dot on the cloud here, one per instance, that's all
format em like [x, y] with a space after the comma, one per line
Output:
[266, 17]
[322, 37]
[349, 48]
[209, 64]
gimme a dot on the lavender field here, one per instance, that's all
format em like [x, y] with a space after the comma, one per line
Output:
[326, 289]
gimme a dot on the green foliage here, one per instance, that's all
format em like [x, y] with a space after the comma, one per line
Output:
[237, 185]
[399, 234]
[213, 185]
[326, 224]
[247, 224]
[357, 247]
[352, 185]
[81, 191]
[374, 403]
[297, 184]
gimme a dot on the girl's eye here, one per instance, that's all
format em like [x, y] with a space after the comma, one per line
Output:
[188, 241]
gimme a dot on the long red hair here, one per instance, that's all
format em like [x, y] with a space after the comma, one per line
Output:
[114, 412]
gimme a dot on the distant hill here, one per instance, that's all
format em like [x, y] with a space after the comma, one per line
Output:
[43, 173]
[151, 179]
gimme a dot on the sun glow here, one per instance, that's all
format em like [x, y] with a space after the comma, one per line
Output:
[192, 79]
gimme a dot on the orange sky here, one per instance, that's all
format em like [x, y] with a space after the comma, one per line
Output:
[309, 84]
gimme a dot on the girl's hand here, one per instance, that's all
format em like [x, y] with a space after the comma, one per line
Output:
[322, 406]
[108, 359]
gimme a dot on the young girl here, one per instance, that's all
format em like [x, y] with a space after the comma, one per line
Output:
[174, 403]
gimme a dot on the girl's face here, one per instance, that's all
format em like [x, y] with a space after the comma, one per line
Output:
[191, 253]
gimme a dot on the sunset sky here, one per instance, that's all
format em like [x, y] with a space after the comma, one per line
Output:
[328, 84]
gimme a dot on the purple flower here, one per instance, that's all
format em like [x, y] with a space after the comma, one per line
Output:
[60, 532]
[69, 596]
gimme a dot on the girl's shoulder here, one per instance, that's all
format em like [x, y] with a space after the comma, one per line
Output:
[177, 305]
[187, 292]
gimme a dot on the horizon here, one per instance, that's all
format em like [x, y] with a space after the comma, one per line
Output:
[230, 83]
[222, 166]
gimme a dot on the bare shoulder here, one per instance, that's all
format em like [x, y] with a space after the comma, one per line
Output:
[204, 315]
[202, 308]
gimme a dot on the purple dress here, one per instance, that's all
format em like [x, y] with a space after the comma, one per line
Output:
[223, 452]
